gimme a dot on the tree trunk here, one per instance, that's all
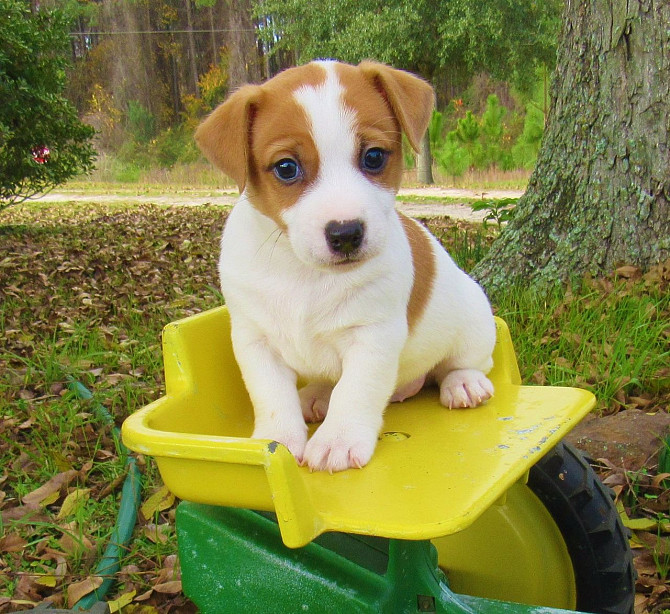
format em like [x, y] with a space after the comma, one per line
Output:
[191, 48]
[424, 164]
[215, 48]
[245, 63]
[599, 194]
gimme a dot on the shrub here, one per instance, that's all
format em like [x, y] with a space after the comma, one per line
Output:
[174, 145]
[42, 141]
[527, 146]
[492, 129]
[453, 158]
[140, 123]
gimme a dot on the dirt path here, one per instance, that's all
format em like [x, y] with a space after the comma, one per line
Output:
[451, 209]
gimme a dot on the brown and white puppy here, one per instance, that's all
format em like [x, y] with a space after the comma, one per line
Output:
[324, 280]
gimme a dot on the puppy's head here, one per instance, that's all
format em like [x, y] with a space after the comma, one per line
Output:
[318, 150]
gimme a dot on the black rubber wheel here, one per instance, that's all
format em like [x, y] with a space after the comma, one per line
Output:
[597, 542]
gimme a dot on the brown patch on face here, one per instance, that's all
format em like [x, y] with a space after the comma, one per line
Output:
[376, 124]
[410, 98]
[425, 267]
[258, 126]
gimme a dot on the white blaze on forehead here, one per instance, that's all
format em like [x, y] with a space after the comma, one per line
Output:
[331, 123]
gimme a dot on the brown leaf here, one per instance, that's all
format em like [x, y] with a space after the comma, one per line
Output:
[168, 588]
[629, 272]
[80, 589]
[27, 513]
[52, 486]
[12, 543]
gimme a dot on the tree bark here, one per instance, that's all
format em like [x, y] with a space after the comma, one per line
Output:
[191, 48]
[598, 196]
[424, 164]
[245, 63]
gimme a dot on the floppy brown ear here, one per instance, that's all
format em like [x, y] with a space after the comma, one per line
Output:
[412, 99]
[224, 135]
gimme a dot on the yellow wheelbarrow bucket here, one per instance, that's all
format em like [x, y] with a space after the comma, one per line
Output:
[434, 472]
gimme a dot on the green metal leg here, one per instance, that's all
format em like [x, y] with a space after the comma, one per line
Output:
[233, 561]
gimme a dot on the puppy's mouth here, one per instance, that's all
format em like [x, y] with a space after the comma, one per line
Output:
[350, 260]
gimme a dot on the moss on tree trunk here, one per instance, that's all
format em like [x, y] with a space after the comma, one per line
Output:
[598, 196]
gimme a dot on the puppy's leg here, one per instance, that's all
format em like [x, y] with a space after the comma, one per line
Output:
[272, 388]
[348, 436]
[465, 388]
[314, 400]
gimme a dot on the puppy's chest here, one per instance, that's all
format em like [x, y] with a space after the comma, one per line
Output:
[309, 332]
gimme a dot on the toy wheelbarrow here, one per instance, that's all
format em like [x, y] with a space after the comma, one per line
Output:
[477, 510]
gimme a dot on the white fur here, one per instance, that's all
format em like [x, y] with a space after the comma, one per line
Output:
[343, 328]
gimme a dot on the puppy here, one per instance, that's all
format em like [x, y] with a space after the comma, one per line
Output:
[325, 281]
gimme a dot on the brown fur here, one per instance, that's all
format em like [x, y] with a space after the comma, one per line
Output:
[423, 259]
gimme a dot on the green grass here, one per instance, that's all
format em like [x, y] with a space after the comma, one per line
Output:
[85, 291]
[610, 338]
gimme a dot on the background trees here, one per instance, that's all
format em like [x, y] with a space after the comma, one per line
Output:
[447, 42]
[42, 142]
[146, 72]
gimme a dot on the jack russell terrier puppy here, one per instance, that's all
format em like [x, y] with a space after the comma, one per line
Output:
[326, 283]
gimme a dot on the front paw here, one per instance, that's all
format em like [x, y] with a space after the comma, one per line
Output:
[294, 439]
[336, 450]
[465, 388]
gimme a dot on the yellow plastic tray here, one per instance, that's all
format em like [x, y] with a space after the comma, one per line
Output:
[433, 473]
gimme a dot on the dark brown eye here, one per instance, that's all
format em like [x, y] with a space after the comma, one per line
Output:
[374, 160]
[287, 170]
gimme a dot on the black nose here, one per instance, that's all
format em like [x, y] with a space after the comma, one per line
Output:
[345, 237]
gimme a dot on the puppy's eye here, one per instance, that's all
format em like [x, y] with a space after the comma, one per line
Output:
[374, 160]
[287, 170]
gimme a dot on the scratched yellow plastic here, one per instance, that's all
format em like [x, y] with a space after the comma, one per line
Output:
[433, 473]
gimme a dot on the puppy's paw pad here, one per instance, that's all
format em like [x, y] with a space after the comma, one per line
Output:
[337, 453]
[314, 401]
[294, 441]
[465, 388]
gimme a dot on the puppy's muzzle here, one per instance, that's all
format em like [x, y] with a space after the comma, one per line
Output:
[345, 238]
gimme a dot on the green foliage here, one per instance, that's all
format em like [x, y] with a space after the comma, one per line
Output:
[174, 145]
[527, 147]
[452, 157]
[485, 142]
[503, 37]
[435, 129]
[492, 129]
[140, 122]
[468, 129]
[214, 84]
[34, 116]
[497, 210]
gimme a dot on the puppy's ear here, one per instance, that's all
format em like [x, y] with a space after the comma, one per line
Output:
[224, 136]
[412, 99]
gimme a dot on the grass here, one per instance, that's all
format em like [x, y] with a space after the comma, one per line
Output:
[85, 290]
[610, 336]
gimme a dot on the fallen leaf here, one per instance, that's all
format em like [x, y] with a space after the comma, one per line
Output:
[168, 588]
[116, 605]
[49, 488]
[49, 581]
[12, 543]
[158, 533]
[159, 501]
[73, 501]
[80, 589]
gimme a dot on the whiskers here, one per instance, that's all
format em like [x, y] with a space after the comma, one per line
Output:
[276, 234]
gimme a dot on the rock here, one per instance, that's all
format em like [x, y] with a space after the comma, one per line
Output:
[630, 438]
